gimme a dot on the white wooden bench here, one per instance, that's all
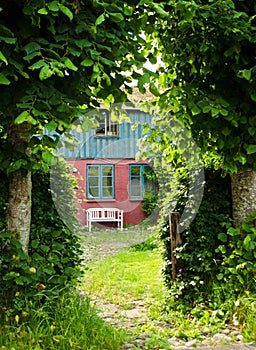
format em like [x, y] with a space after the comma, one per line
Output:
[104, 215]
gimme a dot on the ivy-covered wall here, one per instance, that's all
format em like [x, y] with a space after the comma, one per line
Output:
[197, 256]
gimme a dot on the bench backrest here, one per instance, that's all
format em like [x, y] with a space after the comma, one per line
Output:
[101, 213]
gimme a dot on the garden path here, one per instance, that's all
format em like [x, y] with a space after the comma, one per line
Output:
[100, 244]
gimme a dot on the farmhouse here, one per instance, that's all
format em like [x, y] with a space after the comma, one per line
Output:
[105, 164]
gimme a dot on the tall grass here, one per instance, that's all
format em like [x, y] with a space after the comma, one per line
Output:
[69, 323]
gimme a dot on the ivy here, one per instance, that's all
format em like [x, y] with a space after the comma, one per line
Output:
[52, 264]
[198, 256]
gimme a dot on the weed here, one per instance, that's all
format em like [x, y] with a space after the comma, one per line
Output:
[67, 323]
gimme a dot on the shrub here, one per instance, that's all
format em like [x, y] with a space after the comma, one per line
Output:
[52, 264]
[150, 201]
[237, 270]
[198, 259]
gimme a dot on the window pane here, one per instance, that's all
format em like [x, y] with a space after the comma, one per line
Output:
[94, 192]
[93, 181]
[107, 181]
[136, 192]
[149, 179]
[135, 171]
[106, 170]
[103, 121]
[93, 170]
[136, 187]
[107, 192]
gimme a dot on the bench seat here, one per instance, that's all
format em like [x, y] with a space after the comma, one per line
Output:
[104, 215]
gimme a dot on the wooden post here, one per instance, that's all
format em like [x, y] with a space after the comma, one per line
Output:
[176, 239]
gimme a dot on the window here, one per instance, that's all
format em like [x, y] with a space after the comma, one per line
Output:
[100, 181]
[106, 128]
[142, 179]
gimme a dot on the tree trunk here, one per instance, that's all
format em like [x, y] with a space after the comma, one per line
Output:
[175, 239]
[18, 216]
[19, 207]
[243, 195]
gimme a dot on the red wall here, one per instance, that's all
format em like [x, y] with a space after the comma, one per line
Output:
[133, 213]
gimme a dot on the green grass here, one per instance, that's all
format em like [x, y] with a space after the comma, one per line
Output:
[135, 274]
[125, 276]
[69, 323]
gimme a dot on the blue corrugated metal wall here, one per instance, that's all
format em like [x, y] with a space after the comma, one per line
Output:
[123, 146]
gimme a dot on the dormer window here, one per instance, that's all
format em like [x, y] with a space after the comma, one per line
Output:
[106, 128]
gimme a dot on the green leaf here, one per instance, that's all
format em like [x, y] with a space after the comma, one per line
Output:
[250, 149]
[240, 279]
[248, 243]
[109, 100]
[69, 64]
[253, 96]
[252, 131]
[3, 58]
[153, 89]
[53, 6]
[144, 79]
[44, 248]
[87, 62]
[37, 257]
[240, 158]
[34, 243]
[234, 231]
[31, 47]
[4, 80]
[214, 112]
[82, 43]
[221, 143]
[31, 55]
[43, 11]
[45, 73]
[94, 54]
[195, 110]
[222, 237]
[57, 246]
[66, 11]
[159, 10]
[25, 117]
[38, 64]
[52, 125]
[245, 73]
[226, 131]
[100, 19]
[47, 157]
[106, 61]
[220, 276]
[49, 270]
[116, 17]
[17, 165]
[128, 10]
[224, 112]
[24, 74]
[8, 40]
[206, 109]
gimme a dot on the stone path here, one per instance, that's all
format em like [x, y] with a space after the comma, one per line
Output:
[102, 244]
